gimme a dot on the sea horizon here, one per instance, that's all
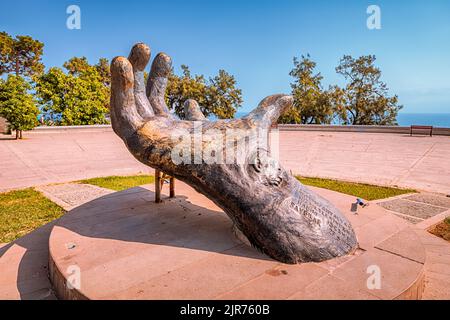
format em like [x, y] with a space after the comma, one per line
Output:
[407, 119]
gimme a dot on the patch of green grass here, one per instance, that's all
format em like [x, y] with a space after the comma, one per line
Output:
[22, 211]
[442, 229]
[119, 183]
[447, 220]
[360, 190]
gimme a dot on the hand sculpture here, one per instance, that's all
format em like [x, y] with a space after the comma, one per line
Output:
[275, 212]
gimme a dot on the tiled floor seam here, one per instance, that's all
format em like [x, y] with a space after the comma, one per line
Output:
[415, 164]
[399, 255]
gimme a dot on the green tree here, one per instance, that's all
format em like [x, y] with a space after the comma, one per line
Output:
[365, 99]
[80, 97]
[20, 55]
[100, 72]
[218, 95]
[181, 88]
[312, 104]
[17, 105]
[222, 96]
[79, 66]
[103, 70]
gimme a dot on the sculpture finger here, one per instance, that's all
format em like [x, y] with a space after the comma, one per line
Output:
[157, 83]
[270, 109]
[139, 57]
[125, 119]
[192, 111]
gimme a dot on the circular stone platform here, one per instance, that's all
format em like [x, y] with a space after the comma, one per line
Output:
[124, 246]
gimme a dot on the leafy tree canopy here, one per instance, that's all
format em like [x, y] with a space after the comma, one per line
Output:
[17, 105]
[80, 67]
[21, 55]
[78, 97]
[103, 70]
[312, 104]
[216, 96]
[365, 99]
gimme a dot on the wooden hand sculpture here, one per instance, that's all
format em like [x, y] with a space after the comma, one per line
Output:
[276, 213]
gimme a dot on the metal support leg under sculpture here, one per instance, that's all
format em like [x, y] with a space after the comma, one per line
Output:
[172, 187]
[160, 178]
[157, 186]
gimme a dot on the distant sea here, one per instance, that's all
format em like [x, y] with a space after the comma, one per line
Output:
[428, 119]
[407, 119]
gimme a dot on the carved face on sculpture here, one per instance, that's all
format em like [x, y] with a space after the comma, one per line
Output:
[265, 168]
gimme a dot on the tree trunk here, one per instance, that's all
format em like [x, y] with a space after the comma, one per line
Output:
[20, 134]
[17, 134]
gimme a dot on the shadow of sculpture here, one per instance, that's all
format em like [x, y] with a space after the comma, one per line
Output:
[30, 253]
[132, 216]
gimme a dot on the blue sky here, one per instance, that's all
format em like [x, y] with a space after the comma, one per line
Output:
[256, 40]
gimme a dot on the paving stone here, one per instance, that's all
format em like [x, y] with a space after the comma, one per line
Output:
[204, 279]
[411, 208]
[295, 277]
[429, 198]
[409, 219]
[332, 288]
[436, 290]
[404, 244]
[437, 266]
[71, 195]
[397, 273]
[371, 234]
